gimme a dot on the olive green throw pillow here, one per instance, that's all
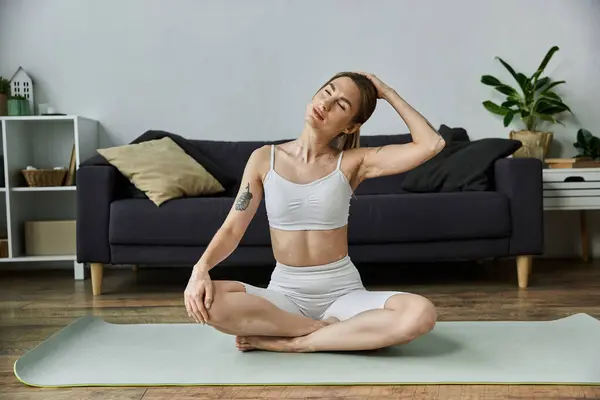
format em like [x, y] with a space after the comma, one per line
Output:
[162, 170]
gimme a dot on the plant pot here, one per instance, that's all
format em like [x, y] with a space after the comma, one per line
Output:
[3, 105]
[18, 107]
[535, 144]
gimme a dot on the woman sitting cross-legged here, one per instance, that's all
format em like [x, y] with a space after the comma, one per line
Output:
[315, 300]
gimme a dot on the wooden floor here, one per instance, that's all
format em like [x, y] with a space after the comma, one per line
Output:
[35, 304]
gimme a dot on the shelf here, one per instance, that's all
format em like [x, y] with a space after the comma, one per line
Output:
[45, 189]
[40, 118]
[42, 141]
[39, 258]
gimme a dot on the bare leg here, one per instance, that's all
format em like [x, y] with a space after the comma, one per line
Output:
[404, 318]
[236, 312]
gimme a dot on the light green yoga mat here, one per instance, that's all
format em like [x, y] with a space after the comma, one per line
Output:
[92, 352]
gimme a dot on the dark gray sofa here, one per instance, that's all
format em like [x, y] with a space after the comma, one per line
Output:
[116, 224]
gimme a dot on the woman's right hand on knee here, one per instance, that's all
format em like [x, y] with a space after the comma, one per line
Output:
[198, 295]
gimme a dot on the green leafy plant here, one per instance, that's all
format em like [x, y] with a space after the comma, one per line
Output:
[17, 97]
[587, 145]
[534, 102]
[4, 86]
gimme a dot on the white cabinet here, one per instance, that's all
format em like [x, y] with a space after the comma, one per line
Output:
[573, 189]
[42, 142]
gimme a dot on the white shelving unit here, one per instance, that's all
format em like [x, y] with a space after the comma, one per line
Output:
[44, 142]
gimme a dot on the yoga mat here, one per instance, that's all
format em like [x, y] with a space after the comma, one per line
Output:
[93, 352]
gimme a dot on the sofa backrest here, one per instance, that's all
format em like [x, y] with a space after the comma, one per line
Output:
[232, 156]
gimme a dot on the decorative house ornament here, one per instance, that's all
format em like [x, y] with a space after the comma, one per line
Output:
[21, 84]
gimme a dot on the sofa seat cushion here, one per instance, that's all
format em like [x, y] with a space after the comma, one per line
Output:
[422, 217]
[391, 218]
[180, 222]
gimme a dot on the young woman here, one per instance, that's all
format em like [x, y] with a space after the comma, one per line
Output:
[316, 300]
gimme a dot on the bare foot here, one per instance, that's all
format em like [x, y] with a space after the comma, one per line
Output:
[273, 343]
[242, 344]
[269, 343]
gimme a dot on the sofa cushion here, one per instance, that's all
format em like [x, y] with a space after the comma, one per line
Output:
[471, 168]
[395, 183]
[388, 218]
[422, 217]
[232, 157]
[129, 190]
[162, 170]
[460, 166]
[179, 222]
[193, 151]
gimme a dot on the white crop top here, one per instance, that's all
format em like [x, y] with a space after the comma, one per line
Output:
[319, 205]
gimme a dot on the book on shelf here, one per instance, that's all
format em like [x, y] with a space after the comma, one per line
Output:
[577, 162]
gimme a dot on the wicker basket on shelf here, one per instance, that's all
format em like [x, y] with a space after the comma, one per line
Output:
[44, 177]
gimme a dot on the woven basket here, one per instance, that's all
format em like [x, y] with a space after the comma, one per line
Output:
[44, 177]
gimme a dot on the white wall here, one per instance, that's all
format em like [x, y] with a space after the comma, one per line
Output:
[245, 69]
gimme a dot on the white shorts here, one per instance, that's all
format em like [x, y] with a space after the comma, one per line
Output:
[321, 292]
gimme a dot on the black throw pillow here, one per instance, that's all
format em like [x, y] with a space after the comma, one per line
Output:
[193, 151]
[470, 168]
[453, 134]
[460, 166]
[429, 176]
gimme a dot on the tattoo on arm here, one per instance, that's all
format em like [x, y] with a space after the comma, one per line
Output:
[243, 201]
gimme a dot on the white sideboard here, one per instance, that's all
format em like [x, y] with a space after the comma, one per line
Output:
[575, 189]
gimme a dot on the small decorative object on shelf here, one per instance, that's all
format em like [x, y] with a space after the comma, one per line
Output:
[21, 84]
[4, 93]
[48, 109]
[18, 106]
[44, 177]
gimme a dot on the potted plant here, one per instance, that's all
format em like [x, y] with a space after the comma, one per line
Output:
[534, 103]
[4, 93]
[18, 105]
[587, 145]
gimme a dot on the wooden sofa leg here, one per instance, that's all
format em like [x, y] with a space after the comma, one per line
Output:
[97, 270]
[523, 270]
